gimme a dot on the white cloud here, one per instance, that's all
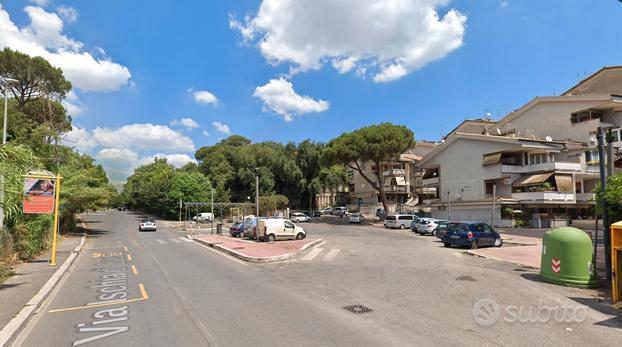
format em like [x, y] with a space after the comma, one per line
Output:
[117, 155]
[177, 160]
[280, 97]
[204, 97]
[386, 39]
[144, 136]
[80, 139]
[44, 37]
[68, 13]
[41, 3]
[187, 123]
[205, 133]
[503, 3]
[223, 128]
[72, 104]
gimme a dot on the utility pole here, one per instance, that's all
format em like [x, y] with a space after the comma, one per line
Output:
[212, 219]
[494, 199]
[257, 202]
[448, 206]
[5, 125]
[603, 184]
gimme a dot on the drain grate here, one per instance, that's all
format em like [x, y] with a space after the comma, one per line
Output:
[357, 309]
[466, 278]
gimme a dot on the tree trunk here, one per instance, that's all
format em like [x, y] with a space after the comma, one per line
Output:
[383, 197]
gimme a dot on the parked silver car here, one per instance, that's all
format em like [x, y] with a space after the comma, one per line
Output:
[401, 221]
[298, 217]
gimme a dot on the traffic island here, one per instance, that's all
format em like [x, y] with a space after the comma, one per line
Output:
[257, 252]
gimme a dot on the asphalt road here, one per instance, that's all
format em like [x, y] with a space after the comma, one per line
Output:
[179, 293]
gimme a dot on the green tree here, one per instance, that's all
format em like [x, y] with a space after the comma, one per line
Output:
[613, 193]
[376, 144]
[36, 78]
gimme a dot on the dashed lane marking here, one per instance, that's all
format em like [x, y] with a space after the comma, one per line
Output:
[160, 241]
[134, 270]
[129, 257]
[314, 253]
[332, 254]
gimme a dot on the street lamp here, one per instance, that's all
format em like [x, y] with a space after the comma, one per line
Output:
[5, 82]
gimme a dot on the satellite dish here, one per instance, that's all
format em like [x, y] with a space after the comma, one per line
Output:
[591, 140]
[507, 181]
[548, 139]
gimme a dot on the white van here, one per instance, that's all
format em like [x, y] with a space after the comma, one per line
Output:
[272, 229]
[203, 217]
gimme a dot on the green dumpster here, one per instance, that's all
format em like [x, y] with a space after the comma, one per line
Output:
[567, 257]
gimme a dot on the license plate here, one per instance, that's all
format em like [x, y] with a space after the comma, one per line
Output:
[455, 236]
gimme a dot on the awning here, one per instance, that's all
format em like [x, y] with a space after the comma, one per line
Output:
[491, 159]
[564, 183]
[401, 181]
[532, 180]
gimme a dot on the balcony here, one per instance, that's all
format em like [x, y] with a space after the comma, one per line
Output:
[396, 189]
[425, 190]
[394, 172]
[585, 196]
[552, 166]
[544, 196]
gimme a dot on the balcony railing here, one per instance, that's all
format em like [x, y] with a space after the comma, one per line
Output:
[396, 189]
[552, 166]
[585, 196]
[429, 181]
[394, 172]
[544, 196]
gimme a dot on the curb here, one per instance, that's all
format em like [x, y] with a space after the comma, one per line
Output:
[10, 331]
[247, 258]
[473, 254]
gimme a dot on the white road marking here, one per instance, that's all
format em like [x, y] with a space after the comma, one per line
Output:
[160, 241]
[221, 253]
[185, 239]
[174, 240]
[332, 254]
[314, 252]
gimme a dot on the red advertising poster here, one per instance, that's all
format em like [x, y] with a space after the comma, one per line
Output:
[38, 196]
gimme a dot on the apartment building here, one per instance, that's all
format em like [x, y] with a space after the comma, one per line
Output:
[536, 166]
[399, 178]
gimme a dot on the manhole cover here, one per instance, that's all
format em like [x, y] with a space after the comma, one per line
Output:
[465, 278]
[358, 309]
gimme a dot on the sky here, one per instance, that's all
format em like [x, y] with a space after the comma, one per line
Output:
[164, 78]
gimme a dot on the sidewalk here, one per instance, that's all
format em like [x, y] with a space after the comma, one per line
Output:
[258, 252]
[30, 277]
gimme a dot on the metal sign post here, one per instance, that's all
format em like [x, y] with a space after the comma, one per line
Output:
[57, 182]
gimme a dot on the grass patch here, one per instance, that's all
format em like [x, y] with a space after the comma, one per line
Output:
[5, 272]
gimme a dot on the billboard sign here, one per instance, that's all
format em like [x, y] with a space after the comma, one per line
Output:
[38, 195]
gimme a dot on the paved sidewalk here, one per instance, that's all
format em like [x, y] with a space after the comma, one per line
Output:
[259, 252]
[30, 276]
[523, 255]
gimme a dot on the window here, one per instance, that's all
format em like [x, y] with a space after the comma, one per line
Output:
[591, 156]
[615, 135]
[489, 187]
[406, 217]
[289, 225]
[487, 228]
[584, 116]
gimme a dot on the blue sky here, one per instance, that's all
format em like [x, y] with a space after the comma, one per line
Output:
[142, 61]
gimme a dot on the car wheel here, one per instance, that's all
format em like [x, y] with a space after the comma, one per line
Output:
[447, 244]
[402, 226]
[498, 242]
[474, 244]
[271, 238]
[300, 236]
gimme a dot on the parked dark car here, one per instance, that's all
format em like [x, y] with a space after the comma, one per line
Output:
[440, 230]
[237, 230]
[471, 234]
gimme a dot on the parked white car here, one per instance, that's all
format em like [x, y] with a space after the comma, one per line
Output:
[337, 211]
[356, 218]
[203, 217]
[428, 225]
[298, 217]
[271, 229]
